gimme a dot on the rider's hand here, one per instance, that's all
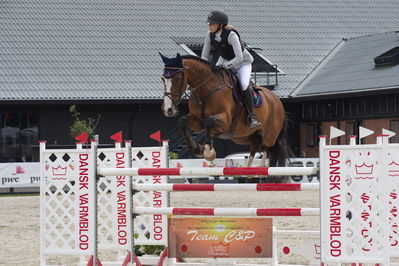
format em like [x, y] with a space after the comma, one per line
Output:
[217, 68]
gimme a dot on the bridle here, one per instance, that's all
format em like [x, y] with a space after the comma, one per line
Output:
[169, 74]
[191, 90]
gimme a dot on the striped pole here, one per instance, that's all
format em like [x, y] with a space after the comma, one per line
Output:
[229, 211]
[226, 187]
[209, 171]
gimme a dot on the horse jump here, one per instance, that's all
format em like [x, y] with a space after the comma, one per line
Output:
[333, 160]
[121, 157]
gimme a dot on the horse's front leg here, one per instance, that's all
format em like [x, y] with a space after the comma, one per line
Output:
[214, 125]
[185, 123]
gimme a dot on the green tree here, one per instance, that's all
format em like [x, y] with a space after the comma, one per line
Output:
[81, 125]
[173, 155]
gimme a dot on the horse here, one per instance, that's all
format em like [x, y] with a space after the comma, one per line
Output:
[212, 108]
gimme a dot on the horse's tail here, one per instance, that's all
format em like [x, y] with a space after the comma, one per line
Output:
[281, 151]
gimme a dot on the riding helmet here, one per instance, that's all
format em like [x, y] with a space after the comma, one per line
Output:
[218, 17]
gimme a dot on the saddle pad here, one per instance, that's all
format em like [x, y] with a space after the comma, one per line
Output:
[257, 100]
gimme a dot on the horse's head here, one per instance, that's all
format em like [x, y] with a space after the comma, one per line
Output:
[175, 84]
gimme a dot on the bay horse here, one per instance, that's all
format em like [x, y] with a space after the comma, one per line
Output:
[212, 107]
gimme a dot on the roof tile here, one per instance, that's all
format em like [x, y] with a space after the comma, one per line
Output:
[108, 49]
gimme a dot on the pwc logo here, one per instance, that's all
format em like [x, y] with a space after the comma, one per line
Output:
[19, 170]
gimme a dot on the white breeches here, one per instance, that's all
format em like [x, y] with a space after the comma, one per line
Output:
[244, 72]
[244, 76]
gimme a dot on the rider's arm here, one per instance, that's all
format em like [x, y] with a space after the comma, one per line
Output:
[207, 48]
[235, 42]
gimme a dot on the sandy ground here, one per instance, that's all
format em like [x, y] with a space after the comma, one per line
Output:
[19, 230]
[19, 218]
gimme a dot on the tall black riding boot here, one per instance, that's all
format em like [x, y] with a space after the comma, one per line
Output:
[252, 121]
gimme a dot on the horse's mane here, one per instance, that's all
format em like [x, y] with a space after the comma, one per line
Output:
[196, 58]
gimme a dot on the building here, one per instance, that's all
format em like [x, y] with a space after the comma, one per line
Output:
[357, 84]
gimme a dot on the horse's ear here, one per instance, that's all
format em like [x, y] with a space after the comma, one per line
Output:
[179, 60]
[164, 58]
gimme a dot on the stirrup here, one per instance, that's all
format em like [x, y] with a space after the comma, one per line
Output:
[252, 121]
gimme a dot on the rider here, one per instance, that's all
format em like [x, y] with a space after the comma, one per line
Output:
[227, 43]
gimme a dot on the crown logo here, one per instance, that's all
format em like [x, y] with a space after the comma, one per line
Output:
[59, 170]
[393, 169]
[364, 169]
[220, 248]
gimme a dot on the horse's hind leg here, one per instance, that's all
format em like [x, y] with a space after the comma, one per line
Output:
[251, 158]
[257, 145]
[184, 123]
[264, 156]
[209, 151]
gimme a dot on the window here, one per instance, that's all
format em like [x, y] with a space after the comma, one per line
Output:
[394, 127]
[389, 58]
[19, 132]
[311, 135]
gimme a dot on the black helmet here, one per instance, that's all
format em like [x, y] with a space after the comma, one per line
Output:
[218, 17]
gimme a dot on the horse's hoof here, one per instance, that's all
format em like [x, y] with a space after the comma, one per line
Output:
[209, 154]
[210, 157]
[198, 151]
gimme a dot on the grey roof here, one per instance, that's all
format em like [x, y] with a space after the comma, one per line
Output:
[350, 67]
[108, 49]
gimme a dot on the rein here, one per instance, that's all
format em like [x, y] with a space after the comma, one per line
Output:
[200, 100]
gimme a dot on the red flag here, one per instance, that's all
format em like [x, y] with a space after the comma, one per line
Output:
[156, 136]
[91, 260]
[82, 137]
[117, 136]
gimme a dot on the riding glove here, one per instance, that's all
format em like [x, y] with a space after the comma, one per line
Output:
[216, 68]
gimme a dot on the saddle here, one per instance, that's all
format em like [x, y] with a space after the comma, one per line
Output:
[257, 100]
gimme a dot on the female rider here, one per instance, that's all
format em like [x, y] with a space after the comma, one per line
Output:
[227, 43]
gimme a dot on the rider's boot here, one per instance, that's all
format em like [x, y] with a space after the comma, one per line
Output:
[252, 121]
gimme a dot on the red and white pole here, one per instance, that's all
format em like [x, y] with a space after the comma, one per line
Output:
[209, 171]
[226, 187]
[252, 212]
